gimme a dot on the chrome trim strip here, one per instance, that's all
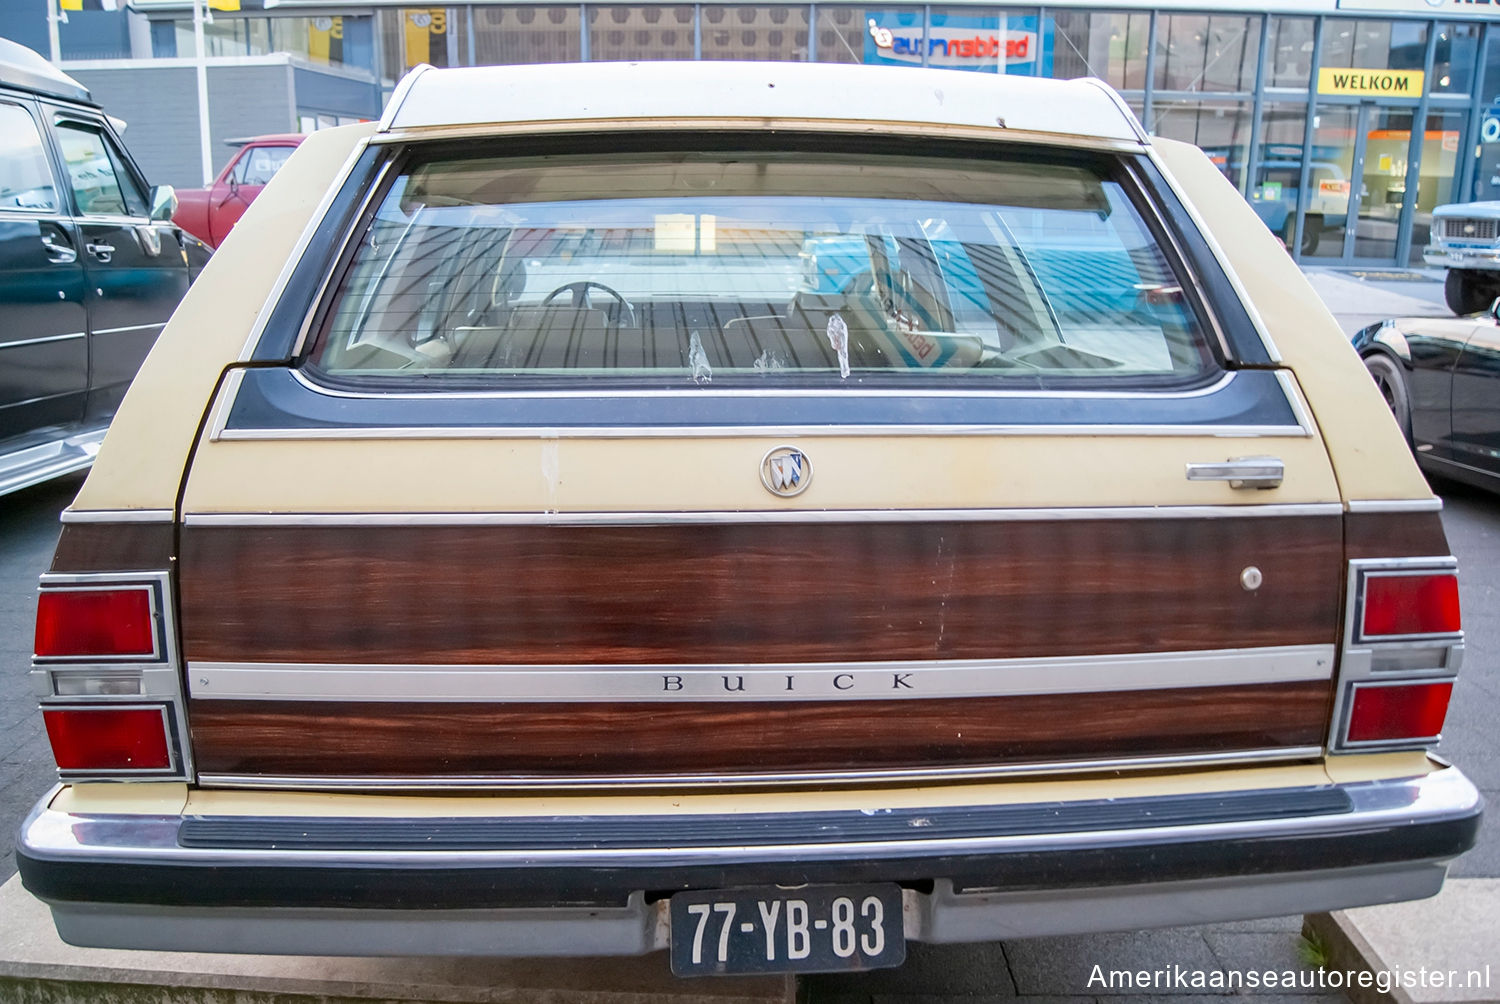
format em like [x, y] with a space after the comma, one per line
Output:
[1246, 510]
[1288, 381]
[1126, 112]
[294, 260]
[44, 340]
[54, 835]
[750, 780]
[676, 683]
[594, 394]
[774, 432]
[399, 95]
[116, 516]
[1217, 250]
[1396, 505]
[224, 403]
[129, 327]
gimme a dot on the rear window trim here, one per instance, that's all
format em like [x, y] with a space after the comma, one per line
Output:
[1124, 169]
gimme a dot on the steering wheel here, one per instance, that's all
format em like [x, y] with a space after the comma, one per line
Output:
[620, 312]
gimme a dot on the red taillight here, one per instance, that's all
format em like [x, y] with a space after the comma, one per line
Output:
[95, 622]
[1403, 711]
[1400, 605]
[108, 738]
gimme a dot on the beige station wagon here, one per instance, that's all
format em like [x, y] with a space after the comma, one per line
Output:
[771, 512]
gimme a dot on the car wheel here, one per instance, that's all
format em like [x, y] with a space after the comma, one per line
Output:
[1467, 291]
[1392, 383]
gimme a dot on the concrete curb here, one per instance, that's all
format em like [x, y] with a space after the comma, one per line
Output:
[1443, 950]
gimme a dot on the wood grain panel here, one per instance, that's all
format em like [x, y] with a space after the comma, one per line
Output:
[1395, 535]
[819, 592]
[561, 740]
[114, 547]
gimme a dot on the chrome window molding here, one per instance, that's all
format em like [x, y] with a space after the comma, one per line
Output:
[1425, 659]
[1246, 510]
[774, 432]
[677, 683]
[161, 678]
[1217, 250]
[720, 782]
[299, 250]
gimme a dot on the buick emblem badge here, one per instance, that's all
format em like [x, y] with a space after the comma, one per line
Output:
[786, 471]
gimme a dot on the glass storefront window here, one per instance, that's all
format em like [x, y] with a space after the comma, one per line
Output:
[1278, 175]
[844, 33]
[1455, 59]
[1111, 47]
[226, 36]
[531, 34]
[1331, 165]
[1289, 62]
[1435, 184]
[754, 33]
[1196, 52]
[1374, 45]
[621, 32]
[1221, 129]
[429, 35]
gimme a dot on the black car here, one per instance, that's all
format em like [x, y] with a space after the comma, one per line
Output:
[1441, 378]
[91, 267]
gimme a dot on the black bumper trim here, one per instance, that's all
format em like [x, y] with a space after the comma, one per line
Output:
[937, 823]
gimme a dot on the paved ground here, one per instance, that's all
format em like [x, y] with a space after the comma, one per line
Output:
[1050, 969]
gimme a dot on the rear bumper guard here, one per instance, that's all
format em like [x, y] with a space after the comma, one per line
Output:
[518, 887]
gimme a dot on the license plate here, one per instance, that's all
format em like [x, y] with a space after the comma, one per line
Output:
[1455, 257]
[813, 929]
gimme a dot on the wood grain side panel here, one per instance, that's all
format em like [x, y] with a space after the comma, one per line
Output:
[745, 593]
[1395, 535]
[114, 547]
[322, 738]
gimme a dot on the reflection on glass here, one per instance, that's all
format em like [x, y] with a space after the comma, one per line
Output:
[845, 36]
[1382, 181]
[617, 33]
[531, 34]
[1455, 58]
[1331, 163]
[752, 267]
[1278, 178]
[1220, 128]
[1291, 51]
[1374, 45]
[1435, 185]
[1111, 47]
[1196, 52]
[755, 33]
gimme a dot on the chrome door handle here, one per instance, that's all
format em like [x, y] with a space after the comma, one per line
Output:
[58, 254]
[100, 250]
[1241, 472]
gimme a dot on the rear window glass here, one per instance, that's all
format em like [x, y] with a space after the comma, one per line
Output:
[697, 268]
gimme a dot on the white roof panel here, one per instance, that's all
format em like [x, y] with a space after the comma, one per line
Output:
[559, 92]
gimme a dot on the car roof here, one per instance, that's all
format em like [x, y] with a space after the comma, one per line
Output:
[26, 69]
[571, 92]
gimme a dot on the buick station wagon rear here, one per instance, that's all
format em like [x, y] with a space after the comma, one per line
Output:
[774, 513]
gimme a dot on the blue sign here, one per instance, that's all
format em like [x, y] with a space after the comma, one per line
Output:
[960, 42]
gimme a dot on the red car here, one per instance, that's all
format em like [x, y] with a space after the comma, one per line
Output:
[209, 213]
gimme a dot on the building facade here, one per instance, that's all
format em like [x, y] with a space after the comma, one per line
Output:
[1343, 122]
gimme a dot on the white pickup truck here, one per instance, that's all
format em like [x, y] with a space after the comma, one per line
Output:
[1464, 241]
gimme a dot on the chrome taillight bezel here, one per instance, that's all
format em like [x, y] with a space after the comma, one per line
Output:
[159, 675]
[1388, 660]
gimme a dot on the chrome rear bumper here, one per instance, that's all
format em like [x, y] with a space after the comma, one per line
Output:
[516, 887]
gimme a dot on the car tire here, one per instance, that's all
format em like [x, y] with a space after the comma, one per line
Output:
[1467, 291]
[1391, 380]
